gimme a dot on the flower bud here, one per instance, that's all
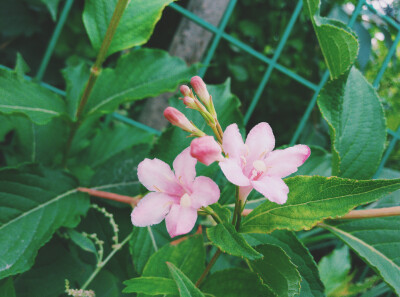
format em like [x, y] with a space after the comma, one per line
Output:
[206, 150]
[185, 90]
[189, 102]
[201, 90]
[176, 118]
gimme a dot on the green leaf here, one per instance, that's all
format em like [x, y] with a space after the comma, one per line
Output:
[355, 115]
[34, 203]
[189, 256]
[235, 282]
[314, 198]
[174, 140]
[311, 284]
[185, 286]
[319, 163]
[377, 242]
[52, 6]
[135, 27]
[7, 287]
[151, 286]
[338, 43]
[142, 245]
[139, 74]
[226, 238]
[334, 270]
[277, 270]
[82, 241]
[223, 212]
[19, 96]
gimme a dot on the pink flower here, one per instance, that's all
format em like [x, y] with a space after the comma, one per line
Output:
[174, 196]
[201, 90]
[253, 165]
[206, 150]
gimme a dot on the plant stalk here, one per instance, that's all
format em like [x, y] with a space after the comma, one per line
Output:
[208, 268]
[112, 196]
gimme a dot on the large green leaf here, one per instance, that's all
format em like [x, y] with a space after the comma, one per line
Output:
[355, 115]
[19, 96]
[311, 284]
[185, 286]
[139, 74]
[225, 237]
[142, 245]
[314, 198]
[277, 271]
[34, 203]
[377, 242]
[135, 27]
[235, 282]
[174, 140]
[151, 286]
[338, 43]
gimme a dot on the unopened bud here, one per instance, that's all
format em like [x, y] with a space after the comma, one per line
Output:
[176, 118]
[185, 90]
[189, 102]
[206, 150]
[201, 90]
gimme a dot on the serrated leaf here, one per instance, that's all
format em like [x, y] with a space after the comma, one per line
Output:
[277, 271]
[185, 286]
[189, 256]
[338, 43]
[226, 238]
[312, 199]
[223, 212]
[139, 74]
[355, 115]
[141, 246]
[19, 96]
[135, 27]
[174, 140]
[235, 282]
[34, 203]
[311, 284]
[151, 286]
[377, 242]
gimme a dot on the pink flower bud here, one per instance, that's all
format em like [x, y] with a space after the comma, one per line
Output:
[206, 150]
[189, 102]
[185, 90]
[201, 90]
[176, 118]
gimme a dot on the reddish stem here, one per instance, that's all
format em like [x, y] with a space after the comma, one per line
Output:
[112, 196]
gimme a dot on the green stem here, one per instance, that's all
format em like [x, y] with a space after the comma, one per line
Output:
[237, 213]
[102, 264]
[96, 69]
[208, 268]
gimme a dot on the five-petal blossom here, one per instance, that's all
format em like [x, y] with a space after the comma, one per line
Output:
[174, 196]
[254, 164]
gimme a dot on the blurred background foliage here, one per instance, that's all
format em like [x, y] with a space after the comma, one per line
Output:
[26, 27]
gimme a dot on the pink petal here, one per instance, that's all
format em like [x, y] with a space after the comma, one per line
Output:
[281, 163]
[180, 220]
[156, 175]
[206, 150]
[205, 192]
[151, 209]
[273, 188]
[233, 172]
[244, 192]
[185, 168]
[260, 141]
[232, 142]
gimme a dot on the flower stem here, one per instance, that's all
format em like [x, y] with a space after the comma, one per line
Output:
[208, 268]
[95, 71]
[103, 263]
[112, 196]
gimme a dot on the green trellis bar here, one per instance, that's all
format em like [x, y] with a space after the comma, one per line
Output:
[392, 144]
[217, 38]
[241, 45]
[275, 58]
[382, 16]
[53, 40]
[324, 79]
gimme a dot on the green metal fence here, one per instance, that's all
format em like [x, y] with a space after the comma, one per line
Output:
[272, 63]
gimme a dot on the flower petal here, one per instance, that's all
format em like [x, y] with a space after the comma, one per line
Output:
[156, 175]
[205, 192]
[260, 141]
[185, 168]
[273, 188]
[151, 209]
[244, 192]
[233, 172]
[180, 220]
[232, 142]
[281, 163]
